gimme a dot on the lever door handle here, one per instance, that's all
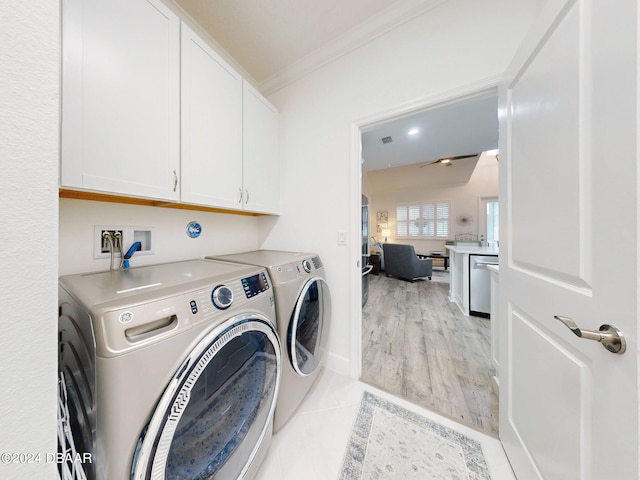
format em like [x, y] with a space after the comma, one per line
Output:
[366, 270]
[609, 336]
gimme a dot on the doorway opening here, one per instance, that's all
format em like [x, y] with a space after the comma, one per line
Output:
[414, 342]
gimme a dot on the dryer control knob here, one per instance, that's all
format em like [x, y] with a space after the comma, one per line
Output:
[306, 264]
[222, 297]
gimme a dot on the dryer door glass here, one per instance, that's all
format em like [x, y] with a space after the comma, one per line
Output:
[309, 327]
[211, 421]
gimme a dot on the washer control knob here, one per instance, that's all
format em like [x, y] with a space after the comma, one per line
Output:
[222, 297]
[306, 264]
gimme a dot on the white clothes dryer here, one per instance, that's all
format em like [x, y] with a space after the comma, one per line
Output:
[172, 371]
[303, 314]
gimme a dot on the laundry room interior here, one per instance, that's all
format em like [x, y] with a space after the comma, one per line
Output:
[383, 61]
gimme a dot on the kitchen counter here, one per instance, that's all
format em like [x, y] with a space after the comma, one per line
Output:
[470, 249]
[459, 290]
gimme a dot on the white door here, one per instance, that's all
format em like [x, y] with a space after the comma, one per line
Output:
[569, 243]
[488, 224]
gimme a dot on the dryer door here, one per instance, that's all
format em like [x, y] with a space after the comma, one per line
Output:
[309, 327]
[214, 414]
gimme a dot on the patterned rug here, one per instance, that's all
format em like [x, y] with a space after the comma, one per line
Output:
[440, 276]
[389, 442]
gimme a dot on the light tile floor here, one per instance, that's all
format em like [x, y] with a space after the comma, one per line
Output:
[311, 445]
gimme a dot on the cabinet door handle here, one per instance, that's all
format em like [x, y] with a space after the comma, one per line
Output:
[247, 200]
[609, 336]
[241, 195]
[175, 180]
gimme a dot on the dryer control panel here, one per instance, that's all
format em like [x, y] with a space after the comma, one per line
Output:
[293, 271]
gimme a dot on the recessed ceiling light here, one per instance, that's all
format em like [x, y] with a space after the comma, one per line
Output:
[414, 131]
[445, 160]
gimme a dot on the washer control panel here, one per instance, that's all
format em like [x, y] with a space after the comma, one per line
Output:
[207, 302]
[255, 284]
[222, 297]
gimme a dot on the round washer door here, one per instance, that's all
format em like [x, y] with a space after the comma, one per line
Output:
[309, 327]
[212, 417]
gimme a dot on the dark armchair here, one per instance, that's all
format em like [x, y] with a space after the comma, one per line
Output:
[401, 261]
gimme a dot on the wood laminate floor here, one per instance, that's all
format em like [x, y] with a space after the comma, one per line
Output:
[419, 346]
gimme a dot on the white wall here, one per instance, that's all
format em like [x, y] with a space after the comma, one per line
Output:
[221, 233]
[457, 44]
[29, 102]
[464, 199]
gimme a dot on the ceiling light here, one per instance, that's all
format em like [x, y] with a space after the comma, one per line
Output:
[414, 131]
[445, 160]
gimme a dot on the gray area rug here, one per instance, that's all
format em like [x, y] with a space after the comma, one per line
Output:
[390, 442]
[440, 276]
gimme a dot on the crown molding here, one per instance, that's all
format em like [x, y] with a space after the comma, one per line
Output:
[381, 23]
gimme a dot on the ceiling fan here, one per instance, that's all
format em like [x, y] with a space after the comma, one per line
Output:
[448, 161]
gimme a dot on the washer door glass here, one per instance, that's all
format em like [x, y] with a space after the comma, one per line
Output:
[309, 327]
[212, 418]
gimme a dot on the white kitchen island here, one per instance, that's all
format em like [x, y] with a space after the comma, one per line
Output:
[459, 291]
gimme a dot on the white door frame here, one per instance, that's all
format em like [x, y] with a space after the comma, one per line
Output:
[482, 87]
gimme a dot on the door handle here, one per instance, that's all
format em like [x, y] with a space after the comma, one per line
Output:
[609, 336]
[484, 265]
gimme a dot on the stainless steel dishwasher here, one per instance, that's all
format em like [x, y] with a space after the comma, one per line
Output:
[480, 284]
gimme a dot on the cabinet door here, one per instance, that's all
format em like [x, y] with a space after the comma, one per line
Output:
[260, 150]
[211, 126]
[120, 110]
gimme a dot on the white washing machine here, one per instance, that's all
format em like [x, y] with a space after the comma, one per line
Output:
[303, 313]
[172, 370]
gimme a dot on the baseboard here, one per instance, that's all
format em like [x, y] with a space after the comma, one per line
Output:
[338, 364]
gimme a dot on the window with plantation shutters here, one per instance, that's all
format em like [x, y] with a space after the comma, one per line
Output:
[427, 220]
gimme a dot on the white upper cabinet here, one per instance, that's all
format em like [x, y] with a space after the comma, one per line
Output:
[211, 126]
[260, 153]
[229, 135]
[150, 110]
[120, 110]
